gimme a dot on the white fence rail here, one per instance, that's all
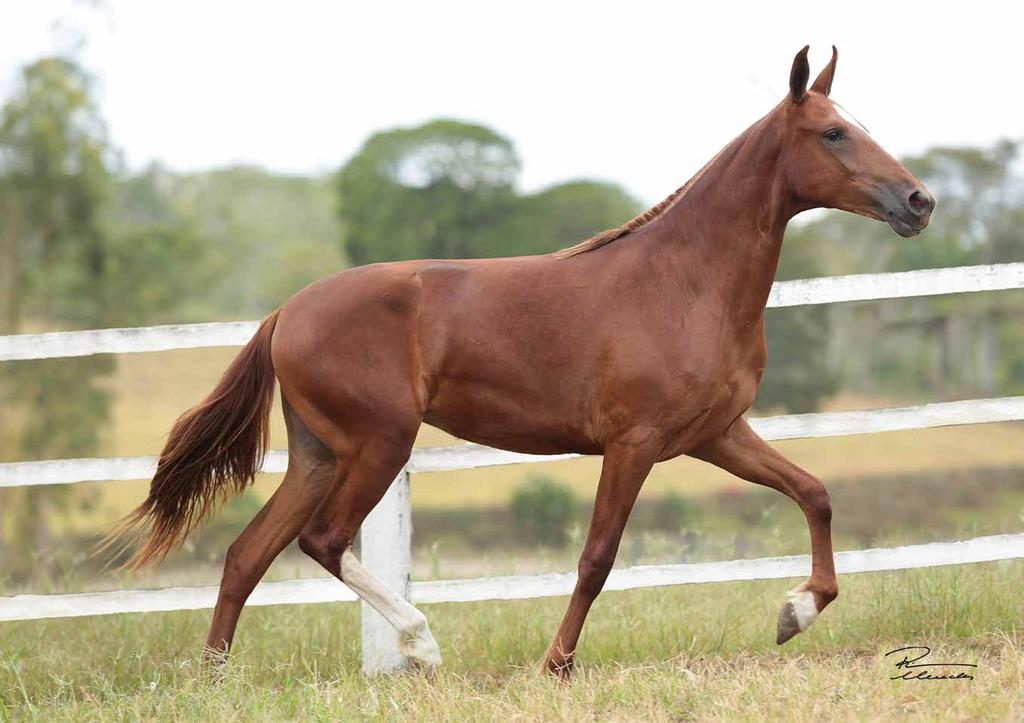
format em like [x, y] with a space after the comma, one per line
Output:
[518, 587]
[472, 456]
[825, 290]
[386, 533]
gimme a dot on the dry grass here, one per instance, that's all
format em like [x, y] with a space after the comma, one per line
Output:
[685, 653]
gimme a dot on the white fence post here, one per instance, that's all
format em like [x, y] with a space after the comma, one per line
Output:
[385, 550]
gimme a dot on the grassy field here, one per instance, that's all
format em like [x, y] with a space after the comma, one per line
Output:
[686, 653]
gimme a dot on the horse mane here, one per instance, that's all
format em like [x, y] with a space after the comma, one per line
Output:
[637, 222]
[612, 234]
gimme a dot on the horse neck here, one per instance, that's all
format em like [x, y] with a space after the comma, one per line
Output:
[724, 235]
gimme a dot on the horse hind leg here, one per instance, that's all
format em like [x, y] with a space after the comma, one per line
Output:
[311, 468]
[331, 531]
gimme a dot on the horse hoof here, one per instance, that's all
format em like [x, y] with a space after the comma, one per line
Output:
[796, 615]
[422, 650]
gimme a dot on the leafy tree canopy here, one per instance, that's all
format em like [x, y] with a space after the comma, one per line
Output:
[446, 189]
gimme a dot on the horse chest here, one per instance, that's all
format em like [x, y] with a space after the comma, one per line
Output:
[724, 366]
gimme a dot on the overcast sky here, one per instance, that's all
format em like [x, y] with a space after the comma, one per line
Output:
[634, 92]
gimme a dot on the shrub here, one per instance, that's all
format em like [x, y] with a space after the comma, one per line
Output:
[543, 509]
[220, 530]
[670, 512]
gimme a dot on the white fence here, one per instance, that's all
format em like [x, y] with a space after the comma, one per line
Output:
[386, 533]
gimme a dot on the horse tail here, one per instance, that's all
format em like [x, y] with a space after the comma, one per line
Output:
[212, 454]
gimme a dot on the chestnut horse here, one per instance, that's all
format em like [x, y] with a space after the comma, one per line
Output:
[640, 344]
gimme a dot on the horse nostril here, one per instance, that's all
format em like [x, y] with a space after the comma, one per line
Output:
[920, 203]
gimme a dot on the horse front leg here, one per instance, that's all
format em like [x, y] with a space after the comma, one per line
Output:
[740, 451]
[623, 472]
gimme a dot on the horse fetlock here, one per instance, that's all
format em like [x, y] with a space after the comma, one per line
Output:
[825, 595]
[213, 661]
[559, 665]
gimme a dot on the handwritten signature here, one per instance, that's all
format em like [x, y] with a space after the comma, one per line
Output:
[912, 667]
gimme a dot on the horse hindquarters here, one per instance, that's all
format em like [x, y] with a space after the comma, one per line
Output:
[347, 359]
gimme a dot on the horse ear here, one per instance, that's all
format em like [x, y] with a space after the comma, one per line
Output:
[798, 76]
[823, 83]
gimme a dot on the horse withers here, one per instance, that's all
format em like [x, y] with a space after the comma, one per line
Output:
[641, 344]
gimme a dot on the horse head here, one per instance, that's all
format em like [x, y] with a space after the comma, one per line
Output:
[830, 160]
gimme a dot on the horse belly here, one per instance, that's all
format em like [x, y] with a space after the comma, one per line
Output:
[506, 417]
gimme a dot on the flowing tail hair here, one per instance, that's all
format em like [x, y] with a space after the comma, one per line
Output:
[212, 454]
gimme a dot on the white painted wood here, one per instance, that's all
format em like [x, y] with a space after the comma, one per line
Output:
[897, 285]
[127, 340]
[893, 419]
[933, 554]
[520, 587]
[825, 290]
[71, 471]
[472, 456]
[73, 605]
[385, 550]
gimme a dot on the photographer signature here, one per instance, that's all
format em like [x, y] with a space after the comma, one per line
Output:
[913, 668]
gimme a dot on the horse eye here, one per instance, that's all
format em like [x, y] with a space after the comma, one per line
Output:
[832, 135]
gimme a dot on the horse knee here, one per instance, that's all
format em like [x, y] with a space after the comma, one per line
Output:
[815, 501]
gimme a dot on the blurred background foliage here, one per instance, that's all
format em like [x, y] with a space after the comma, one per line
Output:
[86, 242]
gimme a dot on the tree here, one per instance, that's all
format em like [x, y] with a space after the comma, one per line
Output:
[81, 247]
[53, 182]
[54, 179]
[157, 257]
[943, 346]
[560, 216]
[798, 375]
[978, 222]
[265, 235]
[446, 189]
[427, 191]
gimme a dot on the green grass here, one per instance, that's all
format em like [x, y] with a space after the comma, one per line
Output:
[684, 653]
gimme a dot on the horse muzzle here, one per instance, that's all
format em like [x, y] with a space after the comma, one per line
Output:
[909, 216]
